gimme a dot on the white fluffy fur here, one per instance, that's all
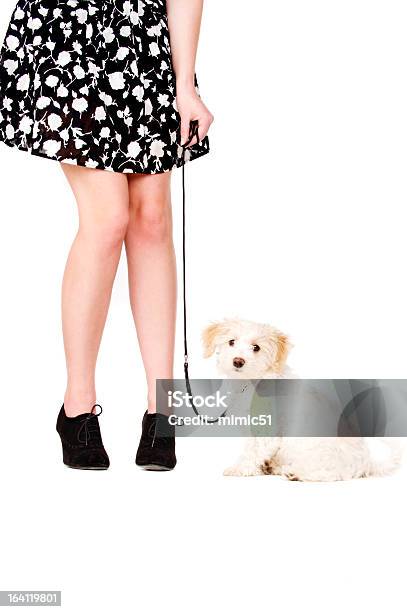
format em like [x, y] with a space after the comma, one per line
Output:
[306, 459]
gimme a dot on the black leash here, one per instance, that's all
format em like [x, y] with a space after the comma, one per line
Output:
[193, 133]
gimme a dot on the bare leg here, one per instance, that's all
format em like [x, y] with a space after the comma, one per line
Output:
[102, 199]
[152, 275]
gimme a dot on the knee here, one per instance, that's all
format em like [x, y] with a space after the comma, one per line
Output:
[108, 229]
[152, 221]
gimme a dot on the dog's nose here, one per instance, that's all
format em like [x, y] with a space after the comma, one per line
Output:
[238, 362]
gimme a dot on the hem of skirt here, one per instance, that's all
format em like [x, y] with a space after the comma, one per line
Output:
[178, 163]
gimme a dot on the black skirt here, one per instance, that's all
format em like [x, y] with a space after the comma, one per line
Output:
[91, 83]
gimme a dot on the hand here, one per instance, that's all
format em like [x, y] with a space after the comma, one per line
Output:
[191, 108]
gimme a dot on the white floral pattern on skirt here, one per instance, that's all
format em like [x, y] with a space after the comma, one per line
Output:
[90, 82]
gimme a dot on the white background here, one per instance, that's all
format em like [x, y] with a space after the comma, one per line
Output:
[297, 218]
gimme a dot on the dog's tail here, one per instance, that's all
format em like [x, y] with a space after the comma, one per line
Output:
[388, 460]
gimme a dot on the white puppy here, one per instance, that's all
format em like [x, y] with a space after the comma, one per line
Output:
[247, 350]
[250, 350]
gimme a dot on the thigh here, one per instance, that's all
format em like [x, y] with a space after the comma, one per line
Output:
[149, 189]
[98, 193]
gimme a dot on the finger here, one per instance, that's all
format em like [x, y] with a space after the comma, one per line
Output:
[204, 129]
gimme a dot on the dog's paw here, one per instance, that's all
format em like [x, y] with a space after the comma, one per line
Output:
[242, 470]
[268, 467]
[292, 477]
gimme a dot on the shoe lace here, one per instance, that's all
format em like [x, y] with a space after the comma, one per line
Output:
[157, 440]
[89, 425]
[152, 432]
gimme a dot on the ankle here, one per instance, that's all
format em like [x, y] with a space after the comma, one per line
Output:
[78, 403]
[152, 396]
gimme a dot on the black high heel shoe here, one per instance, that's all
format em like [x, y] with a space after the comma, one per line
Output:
[82, 446]
[156, 450]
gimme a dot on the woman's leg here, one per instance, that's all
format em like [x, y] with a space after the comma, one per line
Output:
[103, 206]
[152, 275]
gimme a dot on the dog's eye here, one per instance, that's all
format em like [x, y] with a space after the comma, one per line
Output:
[231, 343]
[256, 348]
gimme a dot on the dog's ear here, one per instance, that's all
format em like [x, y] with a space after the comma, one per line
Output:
[283, 348]
[210, 336]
